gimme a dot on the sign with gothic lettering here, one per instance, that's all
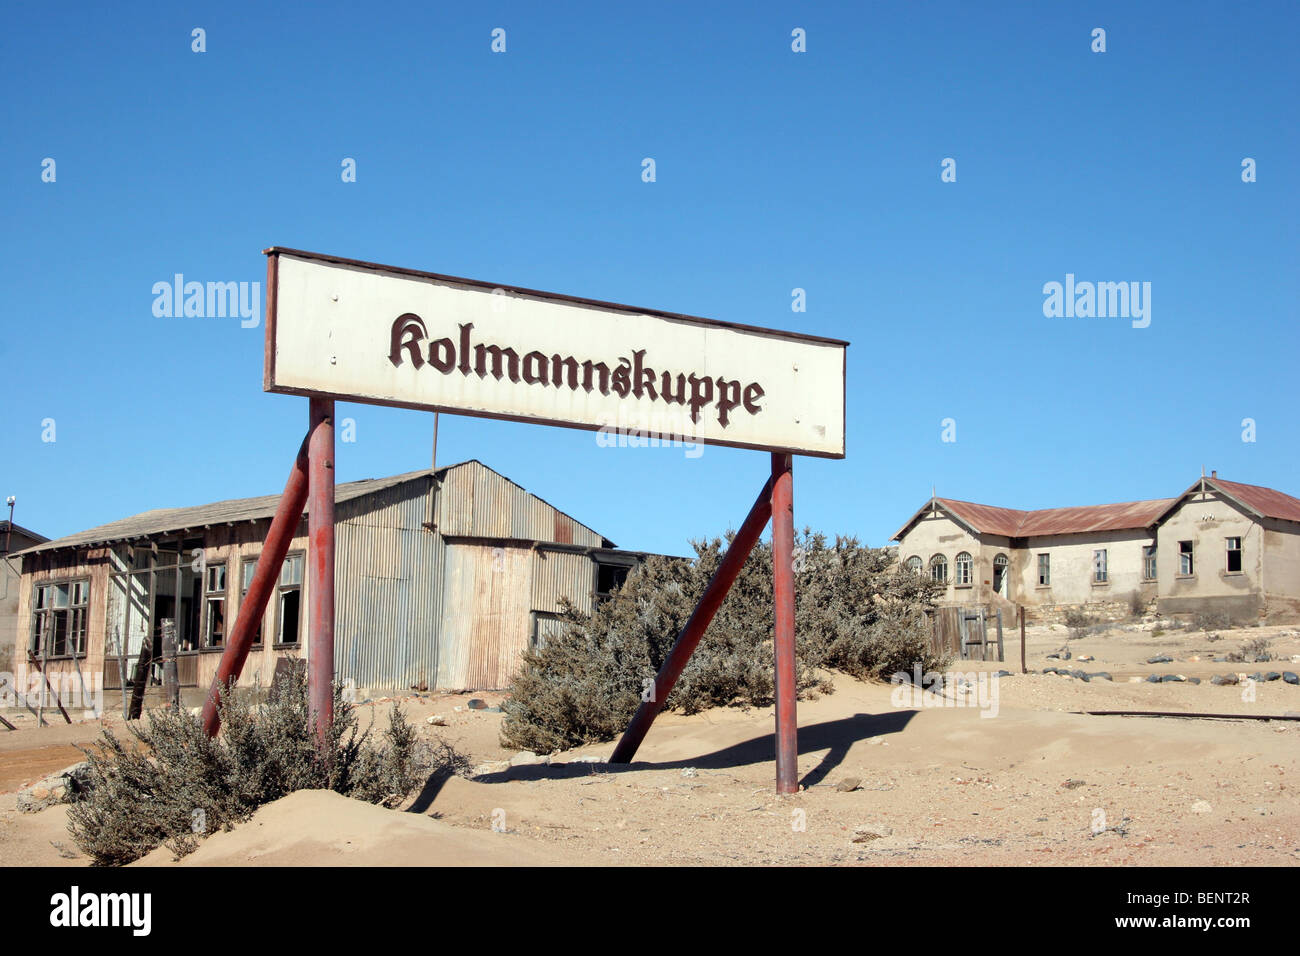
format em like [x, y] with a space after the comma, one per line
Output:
[362, 332]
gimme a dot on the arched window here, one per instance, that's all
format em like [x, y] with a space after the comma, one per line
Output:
[939, 568]
[1000, 575]
[963, 569]
[914, 563]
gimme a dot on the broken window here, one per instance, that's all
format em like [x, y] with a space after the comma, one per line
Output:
[939, 569]
[1186, 558]
[1099, 566]
[290, 599]
[962, 569]
[214, 606]
[609, 578]
[1149, 562]
[914, 563]
[59, 618]
[248, 568]
[1044, 570]
[1234, 555]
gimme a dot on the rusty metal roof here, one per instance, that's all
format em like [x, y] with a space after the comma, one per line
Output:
[1261, 500]
[1077, 520]
[1014, 523]
[168, 520]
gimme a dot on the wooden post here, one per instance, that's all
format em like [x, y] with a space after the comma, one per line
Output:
[171, 681]
[1023, 669]
[1001, 656]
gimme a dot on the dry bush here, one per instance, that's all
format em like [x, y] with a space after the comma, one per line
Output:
[856, 611]
[1212, 621]
[173, 784]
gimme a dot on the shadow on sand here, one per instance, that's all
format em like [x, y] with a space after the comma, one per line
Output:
[833, 736]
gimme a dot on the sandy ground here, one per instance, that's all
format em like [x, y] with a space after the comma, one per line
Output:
[887, 779]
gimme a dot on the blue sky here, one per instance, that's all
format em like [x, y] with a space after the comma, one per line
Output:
[775, 170]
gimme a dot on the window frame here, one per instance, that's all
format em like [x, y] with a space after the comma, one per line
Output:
[247, 561]
[963, 567]
[281, 589]
[939, 561]
[211, 597]
[1240, 551]
[1187, 558]
[1149, 567]
[1100, 568]
[75, 615]
[1044, 569]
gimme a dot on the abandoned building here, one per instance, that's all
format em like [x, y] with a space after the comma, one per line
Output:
[1220, 547]
[13, 538]
[443, 579]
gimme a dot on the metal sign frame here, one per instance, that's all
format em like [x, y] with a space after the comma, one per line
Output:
[311, 485]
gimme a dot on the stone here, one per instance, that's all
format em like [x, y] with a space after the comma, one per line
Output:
[1201, 806]
[1085, 657]
[1160, 659]
[54, 788]
[865, 834]
[1272, 675]
[1290, 677]
[1221, 679]
[492, 766]
[1073, 784]
[1081, 675]
[477, 703]
[526, 758]
[1153, 678]
[1103, 675]
[437, 720]
[848, 784]
[1173, 678]
[690, 772]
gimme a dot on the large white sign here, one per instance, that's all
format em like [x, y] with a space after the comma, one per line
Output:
[378, 334]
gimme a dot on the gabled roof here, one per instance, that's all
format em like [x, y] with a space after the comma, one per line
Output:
[6, 525]
[167, 520]
[1260, 501]
[1014, 523]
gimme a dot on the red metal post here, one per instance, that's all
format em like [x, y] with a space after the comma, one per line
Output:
[710, 601]
[320, 565]
[283, 527]
[787, 745]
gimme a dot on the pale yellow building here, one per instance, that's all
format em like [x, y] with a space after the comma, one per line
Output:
[1221, 547]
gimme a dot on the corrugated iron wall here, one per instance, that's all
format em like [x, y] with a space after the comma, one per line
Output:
[412, 610]
[476, 502]
[485, 623]
[559, 574]
[388, 574]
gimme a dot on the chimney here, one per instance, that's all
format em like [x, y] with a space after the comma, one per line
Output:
[1213, 473]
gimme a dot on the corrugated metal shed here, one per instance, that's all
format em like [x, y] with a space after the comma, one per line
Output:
[475, 501]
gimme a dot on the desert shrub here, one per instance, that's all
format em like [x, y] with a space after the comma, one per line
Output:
[1137, 605]
[856, 611]
[169, 783]
[1078, 621]
[1211, 620]
[1256, 650]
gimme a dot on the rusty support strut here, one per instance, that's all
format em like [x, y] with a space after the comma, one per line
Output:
[283, 528]
[690, 636]
[320, 566]
[787, 748]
